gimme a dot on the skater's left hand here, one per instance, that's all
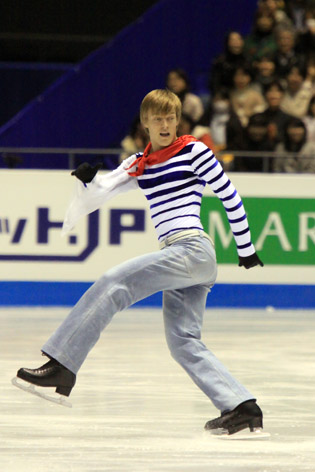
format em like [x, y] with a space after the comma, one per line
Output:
[85, 172]
[250, 261]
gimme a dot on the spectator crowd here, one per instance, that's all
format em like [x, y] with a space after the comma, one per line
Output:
[259, 114]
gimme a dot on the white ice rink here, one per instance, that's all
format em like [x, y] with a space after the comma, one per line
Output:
[134, 409]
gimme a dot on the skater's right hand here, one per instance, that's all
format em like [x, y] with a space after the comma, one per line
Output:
[85, 172]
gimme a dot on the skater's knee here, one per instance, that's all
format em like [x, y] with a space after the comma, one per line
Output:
[109, 294]
[98, 289]
[120, 297]
[179, 348]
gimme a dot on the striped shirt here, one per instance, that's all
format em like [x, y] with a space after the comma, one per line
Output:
[174, 191]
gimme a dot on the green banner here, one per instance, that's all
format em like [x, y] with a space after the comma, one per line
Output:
[282, 229]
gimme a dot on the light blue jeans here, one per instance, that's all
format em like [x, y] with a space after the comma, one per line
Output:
[185, 271]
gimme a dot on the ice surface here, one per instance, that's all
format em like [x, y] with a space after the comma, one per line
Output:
[134, 409]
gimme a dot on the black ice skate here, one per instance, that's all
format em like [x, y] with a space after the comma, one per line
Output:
[51, 374]
[246, 415]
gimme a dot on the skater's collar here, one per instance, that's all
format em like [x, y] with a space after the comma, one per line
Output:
[149, 158]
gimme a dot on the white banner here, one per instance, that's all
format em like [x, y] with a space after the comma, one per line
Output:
[33, 204]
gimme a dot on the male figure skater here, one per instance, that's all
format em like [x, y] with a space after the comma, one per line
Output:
[172, 173]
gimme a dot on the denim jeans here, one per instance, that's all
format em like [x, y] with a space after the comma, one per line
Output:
[185, 271]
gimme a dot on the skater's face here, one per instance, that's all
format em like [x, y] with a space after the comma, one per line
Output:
[162, 129]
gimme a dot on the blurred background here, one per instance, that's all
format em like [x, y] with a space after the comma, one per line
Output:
[41, 42]
[246, 81]
[67, 68]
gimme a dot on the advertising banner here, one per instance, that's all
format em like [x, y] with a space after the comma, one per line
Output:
[35, 259]
[283, 229]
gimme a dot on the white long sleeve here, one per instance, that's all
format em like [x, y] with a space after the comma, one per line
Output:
[90, 197]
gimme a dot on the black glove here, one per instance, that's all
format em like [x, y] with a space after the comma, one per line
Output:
[250, 261]
[85, 172]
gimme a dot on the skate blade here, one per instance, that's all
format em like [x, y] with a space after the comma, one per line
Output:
[256, 435]
[30, 388]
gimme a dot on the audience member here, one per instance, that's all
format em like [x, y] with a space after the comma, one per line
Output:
[286, 55]
[261, 41]
[270, 81]
[265, 73]
[306, 42]
[255, 141]
[298, 93]
[223, 66]
[276, 9]
[244, 99]
[302, 158]
[177, 81]
[310, 72]
[296, 11]
[135, 141]
[225, 126]
[199, 131]
[276, 118]
[309, 121]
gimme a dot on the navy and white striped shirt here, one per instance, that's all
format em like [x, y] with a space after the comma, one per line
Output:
[174, 190]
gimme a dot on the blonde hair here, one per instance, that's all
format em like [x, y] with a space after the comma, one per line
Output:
[160, 101]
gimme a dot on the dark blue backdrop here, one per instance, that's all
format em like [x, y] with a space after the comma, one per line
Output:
[93, 104]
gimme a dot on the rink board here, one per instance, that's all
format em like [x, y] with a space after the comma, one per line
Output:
[270, 296]
[38, 267]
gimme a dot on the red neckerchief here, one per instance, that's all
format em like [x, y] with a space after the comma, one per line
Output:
[162, 155]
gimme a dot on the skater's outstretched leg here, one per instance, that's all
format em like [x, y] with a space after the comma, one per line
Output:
[119, 288]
